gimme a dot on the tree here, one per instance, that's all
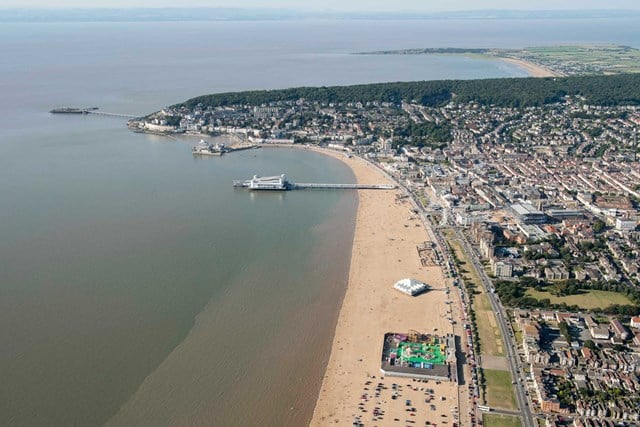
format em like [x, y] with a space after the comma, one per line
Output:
[622, 89]
[564, 330]
[598, 226]
[590, 344]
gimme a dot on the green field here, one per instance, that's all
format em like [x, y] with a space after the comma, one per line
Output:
[491, 343]
[494, 420]
[499, 389]
[590, 59]
[588, 300]
[517, 332]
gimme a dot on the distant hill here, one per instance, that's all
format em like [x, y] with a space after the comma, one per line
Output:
[622, 89]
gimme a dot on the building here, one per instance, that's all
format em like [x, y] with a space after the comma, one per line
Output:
[264, 112]
[486, 247]
[562, 214]
[556, 273]
[619, 330]
[550, 405]
[599, 333]
[411, 287]
[625, 225]
[153, 127]
[501, 268]
[588, 320]
[635, 322]
[527, 214]
[417, 355]
[269, 183]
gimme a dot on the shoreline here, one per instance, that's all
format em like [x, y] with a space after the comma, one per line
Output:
[534, 70]
[383, 251]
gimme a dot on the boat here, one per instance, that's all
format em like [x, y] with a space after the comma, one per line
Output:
[203, 148]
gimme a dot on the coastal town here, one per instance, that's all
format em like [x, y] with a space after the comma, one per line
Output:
[347, 213]
[532, 216]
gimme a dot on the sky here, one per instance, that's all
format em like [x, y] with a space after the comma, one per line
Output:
[337, 5]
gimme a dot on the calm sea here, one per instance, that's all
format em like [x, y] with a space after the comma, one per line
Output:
[136, 286]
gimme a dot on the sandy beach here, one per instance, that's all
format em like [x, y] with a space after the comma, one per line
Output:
[384, 251]
[533, 69]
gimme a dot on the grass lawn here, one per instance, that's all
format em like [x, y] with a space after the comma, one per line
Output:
[491, 343]
[517, 332]
[500, 393]
[588, 300]
[495, 420]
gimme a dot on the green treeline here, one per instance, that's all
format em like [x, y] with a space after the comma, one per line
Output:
[513, 294]
[622, 89]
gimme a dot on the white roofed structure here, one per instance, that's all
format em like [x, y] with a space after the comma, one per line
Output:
[268, 183]
[411, 287]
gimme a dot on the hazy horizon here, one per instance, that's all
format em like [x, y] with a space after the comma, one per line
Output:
[159, 14]
[361, 6]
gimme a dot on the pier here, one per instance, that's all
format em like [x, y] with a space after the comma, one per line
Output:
[280, 183]
[91, 110]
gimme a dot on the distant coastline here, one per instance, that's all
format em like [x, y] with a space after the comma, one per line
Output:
[547, 61]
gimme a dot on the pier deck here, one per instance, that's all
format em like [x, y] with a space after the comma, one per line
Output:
[317, 185]
[280, 183]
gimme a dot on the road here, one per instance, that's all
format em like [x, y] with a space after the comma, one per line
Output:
[510, 342]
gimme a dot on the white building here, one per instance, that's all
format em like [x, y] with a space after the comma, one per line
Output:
[158, 127]
[501, 268]
[268, 183]
[411, 287]
[625, 225]
[599, 333]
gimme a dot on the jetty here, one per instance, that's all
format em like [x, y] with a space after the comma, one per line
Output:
[280, 183]
[90, 110]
